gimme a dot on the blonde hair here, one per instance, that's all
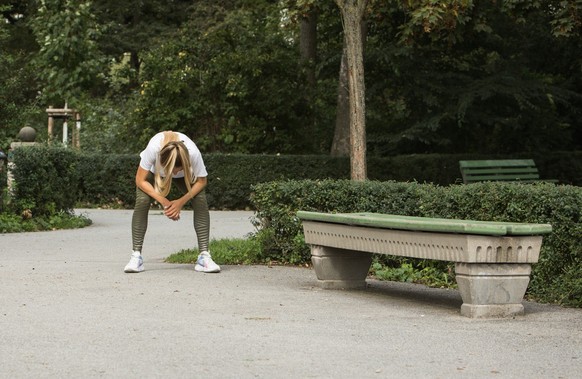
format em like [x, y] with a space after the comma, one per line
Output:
[174, 154]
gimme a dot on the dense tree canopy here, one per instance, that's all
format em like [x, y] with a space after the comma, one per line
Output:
[68, 58]
[491, 81]
[440, 76]
[231, 85]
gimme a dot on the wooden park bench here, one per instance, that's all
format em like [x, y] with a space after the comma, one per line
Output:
[522, 170]
[492, 259]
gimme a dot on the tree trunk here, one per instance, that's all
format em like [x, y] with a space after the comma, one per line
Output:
[352, 14]
[341, 137]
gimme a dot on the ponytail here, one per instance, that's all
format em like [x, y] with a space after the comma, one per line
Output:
[174, 153]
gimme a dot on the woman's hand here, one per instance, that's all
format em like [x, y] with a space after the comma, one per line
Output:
[172, 209]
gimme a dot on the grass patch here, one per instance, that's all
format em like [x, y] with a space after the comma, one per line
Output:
[12, 223]
[229, 251]
[248, 252]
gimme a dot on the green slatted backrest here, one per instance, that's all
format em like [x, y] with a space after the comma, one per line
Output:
[523, 170]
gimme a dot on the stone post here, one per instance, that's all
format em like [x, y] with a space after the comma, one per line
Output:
[340, 268]
[492, 290]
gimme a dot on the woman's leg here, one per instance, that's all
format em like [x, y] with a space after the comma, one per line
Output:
[201, 215]
[201, 220]
[139, 221]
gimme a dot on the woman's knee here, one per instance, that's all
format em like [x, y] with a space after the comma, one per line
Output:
[199, 202]
[142, 200]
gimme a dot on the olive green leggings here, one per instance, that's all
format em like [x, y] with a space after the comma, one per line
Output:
[139, 221]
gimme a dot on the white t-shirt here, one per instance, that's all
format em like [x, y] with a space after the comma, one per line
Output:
[152, 153]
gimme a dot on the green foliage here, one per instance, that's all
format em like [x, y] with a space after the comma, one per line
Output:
[68, 60]
[107, 179]
[231, 176]
[133, 26]
[18, 106]
[470, 77]
[231, 84]
[45, 180]
[13, 223]
[555, 278]
[10, 222]
[441, 76]
[404, 273]
[436, 20]
[104, 127]
[566, 21]
[400, 269]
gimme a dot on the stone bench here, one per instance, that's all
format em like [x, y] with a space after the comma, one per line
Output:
[492, 259]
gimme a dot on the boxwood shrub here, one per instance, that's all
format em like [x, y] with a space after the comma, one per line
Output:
[557, 277]
[45, 180]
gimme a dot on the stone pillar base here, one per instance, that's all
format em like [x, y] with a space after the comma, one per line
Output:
[492, 290]
[491, 310]
[340, 268]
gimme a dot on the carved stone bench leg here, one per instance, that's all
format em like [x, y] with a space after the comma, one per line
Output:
[492, 290]
[339, 268]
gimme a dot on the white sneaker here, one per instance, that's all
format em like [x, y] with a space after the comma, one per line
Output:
[206, 264]
[135, 263]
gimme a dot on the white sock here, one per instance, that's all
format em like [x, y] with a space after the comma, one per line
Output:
[136, 253]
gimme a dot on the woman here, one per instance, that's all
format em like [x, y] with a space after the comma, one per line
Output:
[171, 158]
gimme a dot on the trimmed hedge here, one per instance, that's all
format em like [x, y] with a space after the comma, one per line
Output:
[230, 177]
[108, 179]
[556, 278]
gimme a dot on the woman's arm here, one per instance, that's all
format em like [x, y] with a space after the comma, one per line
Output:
[147, 187]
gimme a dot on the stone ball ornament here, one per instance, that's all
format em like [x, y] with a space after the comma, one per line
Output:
[27, 134]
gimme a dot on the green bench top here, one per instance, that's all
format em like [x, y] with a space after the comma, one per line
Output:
[425, 224]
